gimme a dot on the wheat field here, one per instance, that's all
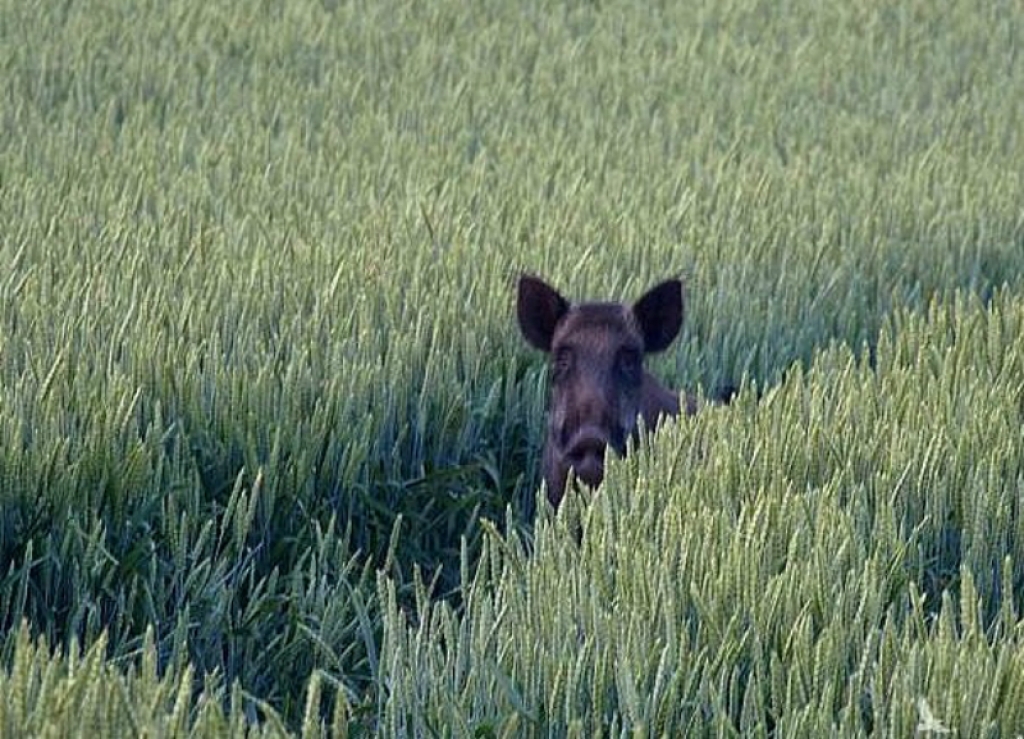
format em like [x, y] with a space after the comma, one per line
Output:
[269, 438]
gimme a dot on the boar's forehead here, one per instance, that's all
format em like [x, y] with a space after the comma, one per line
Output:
[599, 327]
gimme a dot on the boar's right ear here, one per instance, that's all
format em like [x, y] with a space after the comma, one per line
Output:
[539, 308]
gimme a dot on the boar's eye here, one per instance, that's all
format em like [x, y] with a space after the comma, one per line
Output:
[563, 361]
[629, 362]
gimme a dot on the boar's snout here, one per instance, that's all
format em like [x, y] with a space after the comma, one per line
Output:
[585, 454]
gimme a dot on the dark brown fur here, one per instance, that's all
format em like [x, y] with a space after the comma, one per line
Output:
[599, 387]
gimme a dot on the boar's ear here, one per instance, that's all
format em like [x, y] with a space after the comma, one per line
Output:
[539, 308]
[659, 313]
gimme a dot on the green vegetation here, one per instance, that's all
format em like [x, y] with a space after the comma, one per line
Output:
[269, 438]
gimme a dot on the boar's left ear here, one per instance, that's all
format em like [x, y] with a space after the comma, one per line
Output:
[539, 308]
[659, 313]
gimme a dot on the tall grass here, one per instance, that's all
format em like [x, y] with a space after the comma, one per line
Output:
[259, 382]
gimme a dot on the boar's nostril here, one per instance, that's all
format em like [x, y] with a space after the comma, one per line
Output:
[586, 447]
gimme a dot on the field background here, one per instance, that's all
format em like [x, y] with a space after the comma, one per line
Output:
[269, 436]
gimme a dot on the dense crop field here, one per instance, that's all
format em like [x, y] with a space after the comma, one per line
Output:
[269, 437]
